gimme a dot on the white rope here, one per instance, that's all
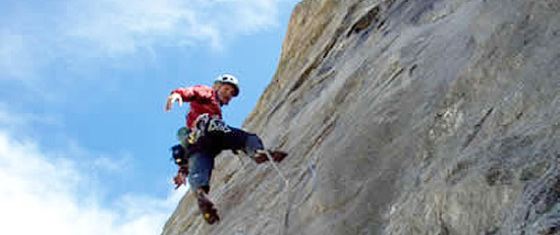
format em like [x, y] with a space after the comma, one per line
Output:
[284, 221]
[276, 167]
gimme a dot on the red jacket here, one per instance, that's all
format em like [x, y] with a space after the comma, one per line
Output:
[203, 100]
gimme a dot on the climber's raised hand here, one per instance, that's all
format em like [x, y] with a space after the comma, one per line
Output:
[171, 99]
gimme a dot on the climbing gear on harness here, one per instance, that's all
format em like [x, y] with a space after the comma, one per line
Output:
[179, 154]
[229, 79]
[209, 213]
[183, 136]
[217, 125]
[199, 128]
[205, 124]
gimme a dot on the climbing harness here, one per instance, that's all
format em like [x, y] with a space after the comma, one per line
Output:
[206, 123]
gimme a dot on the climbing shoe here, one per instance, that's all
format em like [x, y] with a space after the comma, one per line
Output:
[209, 213]
[277, 156]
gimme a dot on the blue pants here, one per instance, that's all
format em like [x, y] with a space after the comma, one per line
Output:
[202, 154]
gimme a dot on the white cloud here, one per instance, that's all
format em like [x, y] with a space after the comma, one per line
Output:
[42, 195]
[127, 25]
[117, 27]
[77, 34]
[109, 163]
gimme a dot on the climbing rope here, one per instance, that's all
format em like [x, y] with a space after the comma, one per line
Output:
[283, 224]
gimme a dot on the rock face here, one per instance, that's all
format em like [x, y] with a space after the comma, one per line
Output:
[403, 117]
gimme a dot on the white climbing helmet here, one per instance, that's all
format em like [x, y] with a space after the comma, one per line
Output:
[229, 79]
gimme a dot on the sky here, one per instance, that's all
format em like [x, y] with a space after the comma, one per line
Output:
[84, 139]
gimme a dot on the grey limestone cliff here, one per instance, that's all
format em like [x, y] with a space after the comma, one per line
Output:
[403, 117]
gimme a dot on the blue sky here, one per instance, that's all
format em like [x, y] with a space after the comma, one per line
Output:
[84, 139]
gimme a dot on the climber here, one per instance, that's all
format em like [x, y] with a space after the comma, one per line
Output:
[206, 135]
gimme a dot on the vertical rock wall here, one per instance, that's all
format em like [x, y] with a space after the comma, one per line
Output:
[403, 117]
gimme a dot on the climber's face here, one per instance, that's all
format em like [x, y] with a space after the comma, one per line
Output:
[225, 92]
